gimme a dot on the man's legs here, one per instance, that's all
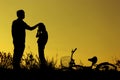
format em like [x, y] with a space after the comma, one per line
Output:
[18, 52]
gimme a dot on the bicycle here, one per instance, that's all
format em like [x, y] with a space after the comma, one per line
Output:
[68, 63]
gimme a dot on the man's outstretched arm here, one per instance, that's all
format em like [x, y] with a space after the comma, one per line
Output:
[33, 27]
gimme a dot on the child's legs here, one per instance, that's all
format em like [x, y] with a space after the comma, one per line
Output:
[41, 54]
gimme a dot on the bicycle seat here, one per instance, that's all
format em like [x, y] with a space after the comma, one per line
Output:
[93, 59]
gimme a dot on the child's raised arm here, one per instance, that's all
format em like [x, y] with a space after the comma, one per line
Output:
[37, 35]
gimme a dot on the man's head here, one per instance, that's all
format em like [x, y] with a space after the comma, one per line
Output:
[21, 14]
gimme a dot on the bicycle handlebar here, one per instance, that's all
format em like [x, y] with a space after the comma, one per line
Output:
[74, 50]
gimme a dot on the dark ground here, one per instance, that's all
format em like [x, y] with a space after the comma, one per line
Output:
[37, 74]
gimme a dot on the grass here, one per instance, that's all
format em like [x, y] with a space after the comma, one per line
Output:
[30, 70]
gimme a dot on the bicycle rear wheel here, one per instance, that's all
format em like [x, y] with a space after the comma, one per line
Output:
[105, 66]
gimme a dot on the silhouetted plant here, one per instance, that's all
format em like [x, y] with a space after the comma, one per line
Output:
[29, 62]
[51, 64]
[6, 60]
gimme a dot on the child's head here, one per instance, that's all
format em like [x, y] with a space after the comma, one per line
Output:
[41, 27]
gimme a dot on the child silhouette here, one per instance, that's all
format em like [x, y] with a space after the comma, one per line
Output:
[42, 36]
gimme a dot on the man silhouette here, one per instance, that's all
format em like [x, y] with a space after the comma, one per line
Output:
[18, 35]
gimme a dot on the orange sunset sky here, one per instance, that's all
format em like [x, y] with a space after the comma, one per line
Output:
[92, 26]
